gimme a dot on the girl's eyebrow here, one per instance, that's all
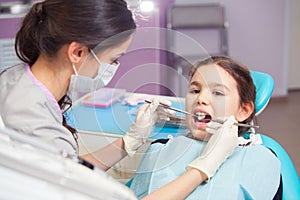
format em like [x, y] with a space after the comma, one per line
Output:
[220, 85]
[196, 83]
[214, 84]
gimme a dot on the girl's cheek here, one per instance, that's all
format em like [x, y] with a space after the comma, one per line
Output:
[189, 102]
[190, 98]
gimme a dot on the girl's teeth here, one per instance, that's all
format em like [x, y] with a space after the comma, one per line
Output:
[199, 116]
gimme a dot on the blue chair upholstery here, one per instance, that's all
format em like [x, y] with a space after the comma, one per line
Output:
[290, 178]
[264, 84]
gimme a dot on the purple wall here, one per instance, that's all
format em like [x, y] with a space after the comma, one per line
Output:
[140, 70]
[143, 66]
[256, 38]
[8, 27]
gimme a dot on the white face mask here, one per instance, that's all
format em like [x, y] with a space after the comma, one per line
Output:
[81, 85]
[106, 71]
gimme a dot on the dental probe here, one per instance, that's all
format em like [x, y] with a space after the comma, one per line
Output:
[199, 117]
[237, 124]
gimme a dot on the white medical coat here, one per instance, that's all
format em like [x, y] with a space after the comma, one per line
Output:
[27, 106]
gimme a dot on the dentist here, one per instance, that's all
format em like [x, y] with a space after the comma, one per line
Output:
[69, 48]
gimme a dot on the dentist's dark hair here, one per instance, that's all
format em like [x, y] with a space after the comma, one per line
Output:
[242, 76]
[50, 24]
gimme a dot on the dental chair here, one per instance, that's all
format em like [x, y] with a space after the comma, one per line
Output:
[290, 184]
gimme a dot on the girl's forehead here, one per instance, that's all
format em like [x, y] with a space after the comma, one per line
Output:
[213, 73]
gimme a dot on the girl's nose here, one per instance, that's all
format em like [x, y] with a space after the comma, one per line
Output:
[203, 98]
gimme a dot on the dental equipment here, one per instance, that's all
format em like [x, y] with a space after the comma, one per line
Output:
[237, 124]
[202, 116]
[199, 117]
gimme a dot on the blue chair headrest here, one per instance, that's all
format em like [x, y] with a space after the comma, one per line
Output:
[264, 84]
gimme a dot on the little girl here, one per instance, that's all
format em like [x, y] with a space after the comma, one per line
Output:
[220, 89]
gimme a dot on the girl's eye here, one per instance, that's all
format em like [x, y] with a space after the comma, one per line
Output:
[218, 93]
[194, 91]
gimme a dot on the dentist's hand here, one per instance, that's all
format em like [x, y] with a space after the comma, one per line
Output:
[220, 146]
[141, 128]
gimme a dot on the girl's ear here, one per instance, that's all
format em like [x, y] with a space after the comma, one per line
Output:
[76, 52]
[245, 111]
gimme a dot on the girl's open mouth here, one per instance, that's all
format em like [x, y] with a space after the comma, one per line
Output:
[202, 117]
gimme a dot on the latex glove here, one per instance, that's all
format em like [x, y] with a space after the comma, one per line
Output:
[164, 114]
[214, 126]
[141, 128]
[219, 147]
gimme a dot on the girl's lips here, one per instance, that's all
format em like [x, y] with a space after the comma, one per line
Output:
[199, 125]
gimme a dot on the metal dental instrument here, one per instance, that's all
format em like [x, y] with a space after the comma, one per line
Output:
[237, 124]
[199, 117]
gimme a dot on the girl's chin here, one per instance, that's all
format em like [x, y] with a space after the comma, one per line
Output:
[200, 135]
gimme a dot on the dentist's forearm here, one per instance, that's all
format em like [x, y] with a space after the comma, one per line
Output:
[107, 156]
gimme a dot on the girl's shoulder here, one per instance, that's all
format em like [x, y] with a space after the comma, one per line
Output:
[258, 151]
[257, 157]
[260, 170]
